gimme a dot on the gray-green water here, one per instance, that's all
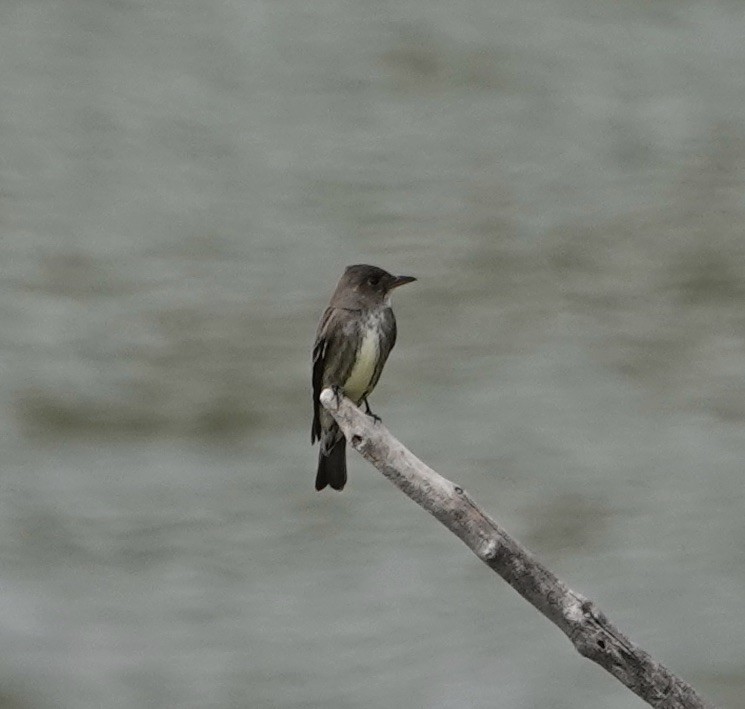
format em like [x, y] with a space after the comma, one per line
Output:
[182, 184]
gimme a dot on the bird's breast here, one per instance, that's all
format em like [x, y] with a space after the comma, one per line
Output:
[363, 370]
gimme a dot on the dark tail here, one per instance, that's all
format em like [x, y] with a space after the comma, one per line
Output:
[332, 468]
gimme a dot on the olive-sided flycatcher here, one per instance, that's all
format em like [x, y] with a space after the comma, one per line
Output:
[354, 338]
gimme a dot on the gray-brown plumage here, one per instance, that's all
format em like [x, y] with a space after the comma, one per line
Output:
[354, 338]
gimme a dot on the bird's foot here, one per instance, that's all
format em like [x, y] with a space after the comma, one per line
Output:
[338, 393]
[373, 416]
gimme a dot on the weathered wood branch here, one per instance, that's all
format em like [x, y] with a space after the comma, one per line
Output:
[586, 626]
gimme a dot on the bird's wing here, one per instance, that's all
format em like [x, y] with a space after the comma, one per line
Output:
[319, 354]
[387, 341]
[331, 365]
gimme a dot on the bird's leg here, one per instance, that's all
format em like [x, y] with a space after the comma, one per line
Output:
[338, 393]
[370, 413]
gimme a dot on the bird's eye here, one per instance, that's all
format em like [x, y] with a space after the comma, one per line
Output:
[373, 280]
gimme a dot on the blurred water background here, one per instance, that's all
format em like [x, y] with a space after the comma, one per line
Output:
[182, 184]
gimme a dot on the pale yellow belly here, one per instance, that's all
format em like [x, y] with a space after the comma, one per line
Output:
[363, 370]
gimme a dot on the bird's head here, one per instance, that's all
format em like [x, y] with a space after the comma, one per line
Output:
[370, 283]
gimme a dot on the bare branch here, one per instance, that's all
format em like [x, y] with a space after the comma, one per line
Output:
[591, 633]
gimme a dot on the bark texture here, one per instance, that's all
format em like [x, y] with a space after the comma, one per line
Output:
[586, 626]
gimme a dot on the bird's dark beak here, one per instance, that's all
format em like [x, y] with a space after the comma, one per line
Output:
[400, 281]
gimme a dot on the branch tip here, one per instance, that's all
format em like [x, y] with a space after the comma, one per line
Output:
[329, 400]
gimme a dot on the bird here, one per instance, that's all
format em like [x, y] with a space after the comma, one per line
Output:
[355, 335]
